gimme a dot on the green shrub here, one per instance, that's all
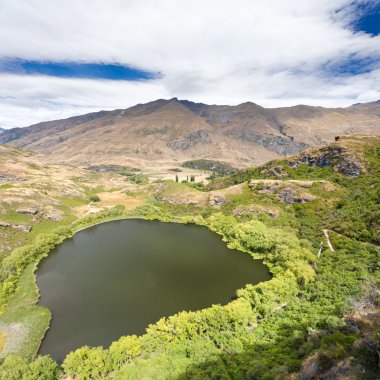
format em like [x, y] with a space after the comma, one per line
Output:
[139, 179]
[94, 198]
[17, 368]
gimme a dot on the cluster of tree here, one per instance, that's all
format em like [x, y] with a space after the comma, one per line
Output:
[191, 179]
[219, 168]
[17, 368]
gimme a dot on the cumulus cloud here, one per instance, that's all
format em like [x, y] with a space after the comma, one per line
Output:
[273, 52]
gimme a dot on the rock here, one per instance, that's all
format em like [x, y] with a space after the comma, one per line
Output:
[292, 196]
[255, 209]
[282, 145]
[278, 172]
[285, 191]
[22, 227]
[11, 178]
[314, 266]
[30, 211]
[310, 369]
[53, 214]
[194, 138]
[330, 156]
[349, 167]
[217, 200]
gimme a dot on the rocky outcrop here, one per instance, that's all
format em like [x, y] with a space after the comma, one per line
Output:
[216, 200]
[284, 191]
[277, 172]
[255, 210]
[53, 214]
[332, 156]
[27, 211]
[20, 227]
[282, 145]
[194, 138]
[11, 178]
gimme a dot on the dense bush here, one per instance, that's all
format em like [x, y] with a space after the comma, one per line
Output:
[13, 265]
[94, 198]
[16, 368]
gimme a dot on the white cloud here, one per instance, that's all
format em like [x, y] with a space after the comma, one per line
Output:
[38, 98]
[266, 51]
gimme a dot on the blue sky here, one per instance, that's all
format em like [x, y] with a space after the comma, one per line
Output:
[58, 59]
[76, 70]
[368, 19]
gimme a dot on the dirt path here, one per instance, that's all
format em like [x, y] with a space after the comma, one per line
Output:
[328, 240]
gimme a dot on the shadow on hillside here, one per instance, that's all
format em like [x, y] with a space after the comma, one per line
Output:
[289, 358]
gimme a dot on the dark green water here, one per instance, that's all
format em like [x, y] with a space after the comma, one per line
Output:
[116, 278]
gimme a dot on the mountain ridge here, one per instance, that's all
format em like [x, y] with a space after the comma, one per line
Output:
[166, 131]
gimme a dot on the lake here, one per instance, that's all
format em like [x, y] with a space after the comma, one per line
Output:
[116, 278]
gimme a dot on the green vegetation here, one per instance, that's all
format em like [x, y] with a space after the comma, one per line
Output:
[133, 177]
[303, 318]
[94, 198]
[139, 179]
[24, 315]
[17, 368]
[219, 168]
[12, 267]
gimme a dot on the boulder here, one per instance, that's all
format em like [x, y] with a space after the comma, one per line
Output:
[22, 227]
[278, 172]
[29, 211]
[291, 196]
[53, 214]
[217, 200]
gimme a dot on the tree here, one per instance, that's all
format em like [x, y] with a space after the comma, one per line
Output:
[125, 349]
[44, 368]
[14, 368]
[87, 363]
[17, 368]
[94, 198]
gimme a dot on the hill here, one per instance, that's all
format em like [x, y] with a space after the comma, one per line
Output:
[168, 132]
[314, 220]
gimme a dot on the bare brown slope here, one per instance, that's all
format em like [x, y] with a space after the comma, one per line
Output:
[172, 131]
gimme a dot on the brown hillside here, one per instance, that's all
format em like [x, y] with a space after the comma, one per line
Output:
[168, 132]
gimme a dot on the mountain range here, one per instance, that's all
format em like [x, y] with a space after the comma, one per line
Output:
[168, 132]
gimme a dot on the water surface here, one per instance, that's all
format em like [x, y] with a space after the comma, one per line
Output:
[116, 278]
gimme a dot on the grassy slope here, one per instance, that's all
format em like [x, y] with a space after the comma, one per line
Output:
[24, 318]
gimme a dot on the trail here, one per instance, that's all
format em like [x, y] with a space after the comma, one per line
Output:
[328, 240]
